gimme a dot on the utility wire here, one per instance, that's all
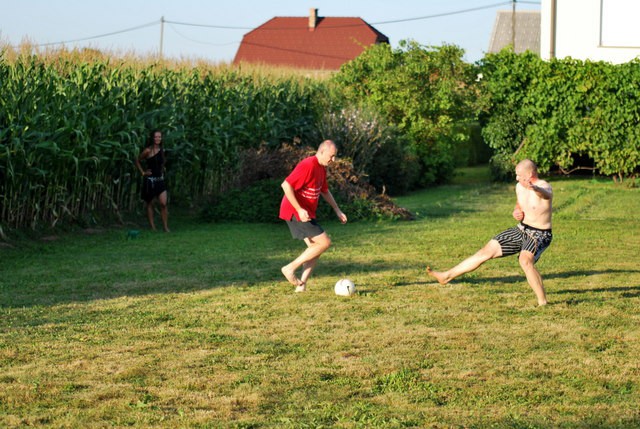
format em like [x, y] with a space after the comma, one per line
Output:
[226, 27]
[198, 41]
[126, 30]
[457, 12]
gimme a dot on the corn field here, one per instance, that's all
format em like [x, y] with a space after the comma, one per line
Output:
[70, 129]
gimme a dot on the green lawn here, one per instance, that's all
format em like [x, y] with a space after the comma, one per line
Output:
[198, 329]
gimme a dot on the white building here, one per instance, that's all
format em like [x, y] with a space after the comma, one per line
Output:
[598, 30]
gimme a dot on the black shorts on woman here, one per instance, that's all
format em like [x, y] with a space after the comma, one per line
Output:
[152, 186]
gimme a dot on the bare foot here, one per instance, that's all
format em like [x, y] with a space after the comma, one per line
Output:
[290, 276]
[438, 275]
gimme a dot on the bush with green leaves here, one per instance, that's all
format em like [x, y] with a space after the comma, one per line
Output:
[256, 194]
[377, 149]
[565, 114]
[427, 92]
[258, 202]
[359, 133]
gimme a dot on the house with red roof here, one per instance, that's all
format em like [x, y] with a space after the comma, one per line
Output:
[313, 42]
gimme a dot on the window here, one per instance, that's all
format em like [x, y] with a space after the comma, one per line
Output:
[620, 23]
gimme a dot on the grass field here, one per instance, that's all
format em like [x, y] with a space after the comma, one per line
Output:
[197, 329]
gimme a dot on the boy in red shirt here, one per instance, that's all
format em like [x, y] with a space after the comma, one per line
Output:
[302, 189]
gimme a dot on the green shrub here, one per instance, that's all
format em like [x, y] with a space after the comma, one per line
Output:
[396, 168]
[375, 147]
[564, 114]
[259, 202]
[501, 167]
[427, 92]
[475, 150]
[256, 195]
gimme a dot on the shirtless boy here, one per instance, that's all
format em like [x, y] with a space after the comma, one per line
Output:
[529, 238]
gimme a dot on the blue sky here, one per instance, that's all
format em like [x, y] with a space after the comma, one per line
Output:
[51, 21]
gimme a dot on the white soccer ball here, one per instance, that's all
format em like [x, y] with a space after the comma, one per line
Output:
[345, 287]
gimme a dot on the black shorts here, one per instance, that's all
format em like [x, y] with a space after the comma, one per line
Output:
[152, 187]
[302, 230]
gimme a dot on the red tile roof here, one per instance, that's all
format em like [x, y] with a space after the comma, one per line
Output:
[288, 41]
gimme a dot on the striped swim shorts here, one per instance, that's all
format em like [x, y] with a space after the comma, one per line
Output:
[524, 237]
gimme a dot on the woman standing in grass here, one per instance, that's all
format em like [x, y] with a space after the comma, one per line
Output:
[153, 185]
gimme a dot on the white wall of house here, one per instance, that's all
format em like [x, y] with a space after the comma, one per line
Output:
[598, 30]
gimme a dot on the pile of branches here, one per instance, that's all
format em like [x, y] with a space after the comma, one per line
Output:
[262, 170]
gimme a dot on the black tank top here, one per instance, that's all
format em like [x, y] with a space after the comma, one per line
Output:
[155, 164]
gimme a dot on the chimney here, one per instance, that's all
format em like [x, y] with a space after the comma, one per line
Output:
[313, 19]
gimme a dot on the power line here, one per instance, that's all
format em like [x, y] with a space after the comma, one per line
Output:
[199, 41]
[126, 30]
[439, 15]
[226, 27]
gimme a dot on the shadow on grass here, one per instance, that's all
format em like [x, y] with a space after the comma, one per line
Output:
[635, 293]
[242, 273]
[507, 280]
[549, 276]
[417, 283]
[625, 291]
[84, 268]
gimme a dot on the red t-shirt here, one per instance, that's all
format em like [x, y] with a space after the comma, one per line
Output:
[309, 180]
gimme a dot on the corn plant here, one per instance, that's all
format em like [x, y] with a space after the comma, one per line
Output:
[71, 127]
